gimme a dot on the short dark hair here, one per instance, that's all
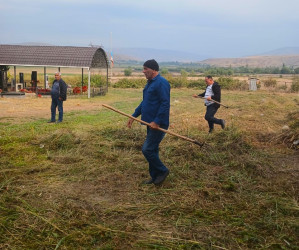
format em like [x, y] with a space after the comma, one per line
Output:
[209, 77]
[152, 64]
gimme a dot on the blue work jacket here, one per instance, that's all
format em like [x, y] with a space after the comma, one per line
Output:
[155, 105]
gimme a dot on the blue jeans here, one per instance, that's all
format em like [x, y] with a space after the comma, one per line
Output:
[56, 102]
[211, 111]
[150, 150]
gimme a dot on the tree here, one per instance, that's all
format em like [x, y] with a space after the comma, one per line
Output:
[184, 73]
[285, 70]
[164, 71]
[128, 72]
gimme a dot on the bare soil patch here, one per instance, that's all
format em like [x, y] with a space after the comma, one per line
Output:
[32, 107]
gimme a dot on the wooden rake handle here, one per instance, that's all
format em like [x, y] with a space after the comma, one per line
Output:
[214, 101]
[161, 129]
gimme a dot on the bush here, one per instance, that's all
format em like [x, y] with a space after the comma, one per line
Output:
[128, 72]
[177, 82]
[270, 83]
[200, 84]
[76, 81]
[230, 83]
[244, 85]
[164, 71]
[184, 73]
[132, 83]
[295, 85]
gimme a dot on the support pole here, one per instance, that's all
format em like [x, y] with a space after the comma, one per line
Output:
[15, 77]
[82, 82]
[88, 82]
[45, 77]
[107, 79]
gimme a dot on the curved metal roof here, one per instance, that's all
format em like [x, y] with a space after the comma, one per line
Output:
[53, 56]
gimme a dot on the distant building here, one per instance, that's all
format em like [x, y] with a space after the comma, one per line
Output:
[50, 56]
[252, 84]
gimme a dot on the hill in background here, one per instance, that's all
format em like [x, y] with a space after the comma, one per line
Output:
[255, 61]
[275, 58]
[143, 54]
[288, 56]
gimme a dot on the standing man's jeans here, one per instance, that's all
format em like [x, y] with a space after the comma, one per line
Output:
[211, 111]
[150, 150]
[56, 102]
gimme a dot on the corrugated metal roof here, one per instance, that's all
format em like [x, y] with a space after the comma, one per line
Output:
[58, 56]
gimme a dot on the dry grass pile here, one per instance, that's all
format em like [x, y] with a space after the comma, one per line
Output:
[289, 134]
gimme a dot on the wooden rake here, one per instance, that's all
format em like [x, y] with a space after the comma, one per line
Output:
[161, 129]
[215, 102]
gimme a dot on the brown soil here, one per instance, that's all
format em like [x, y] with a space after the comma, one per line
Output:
[29, 107]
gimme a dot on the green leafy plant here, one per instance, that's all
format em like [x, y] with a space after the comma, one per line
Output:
[128, 72]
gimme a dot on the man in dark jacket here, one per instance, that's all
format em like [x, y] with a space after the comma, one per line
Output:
[58, 94]
[213, 92]
[154, 109]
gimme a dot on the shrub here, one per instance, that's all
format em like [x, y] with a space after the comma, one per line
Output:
[164, 71]
[76, 81]
[200, 84]
[130, 83]
[270, 83]
[295, 85]
[244, 85]
[177, 82]
[128, 72]
[231, 83]
[184, 73]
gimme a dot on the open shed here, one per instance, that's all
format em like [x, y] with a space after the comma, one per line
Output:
[55, 56]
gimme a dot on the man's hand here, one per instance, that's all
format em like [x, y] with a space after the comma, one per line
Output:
[195, 95]
[209, 98]
[154, 125]
[130, 121]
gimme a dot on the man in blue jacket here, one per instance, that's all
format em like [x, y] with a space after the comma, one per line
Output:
[58, 94]
[154, 109]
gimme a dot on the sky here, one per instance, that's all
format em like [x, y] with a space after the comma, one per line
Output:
[218, 28]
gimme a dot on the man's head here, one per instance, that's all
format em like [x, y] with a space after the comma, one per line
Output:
[150, 69]
[57, 76]
[209, 80]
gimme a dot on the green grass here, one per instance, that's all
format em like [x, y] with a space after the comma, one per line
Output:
[77, 185]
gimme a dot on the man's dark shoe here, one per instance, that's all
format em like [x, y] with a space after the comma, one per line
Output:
[211, 130]
[159, 180]
[222, 124]
[58, 121]
[151, 181]
[51, 122]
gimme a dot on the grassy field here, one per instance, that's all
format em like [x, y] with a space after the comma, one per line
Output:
[77, 185]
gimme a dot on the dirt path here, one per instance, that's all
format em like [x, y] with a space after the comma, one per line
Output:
[31, 108]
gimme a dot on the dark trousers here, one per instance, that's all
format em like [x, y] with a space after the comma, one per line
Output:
[150, 150]
[56, 103]
[211, 111]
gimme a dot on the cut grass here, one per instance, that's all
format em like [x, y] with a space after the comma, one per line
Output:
[77, 185]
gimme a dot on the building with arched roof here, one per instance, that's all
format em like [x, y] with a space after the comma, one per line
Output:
[55, 56]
